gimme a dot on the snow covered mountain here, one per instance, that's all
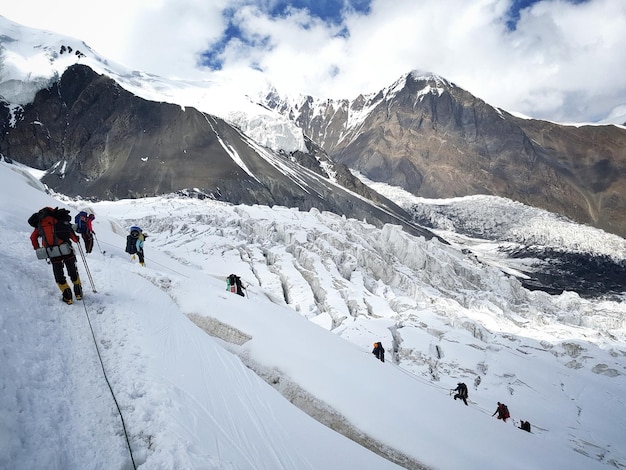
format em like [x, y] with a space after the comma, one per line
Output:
[99, 130]
[34, 59]
[183, 358]
[436, 140]
[159, 367]
[422, 133]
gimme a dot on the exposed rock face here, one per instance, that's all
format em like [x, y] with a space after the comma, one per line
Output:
[436, 140]
[590, 165]
[100, 141]
[107, 143]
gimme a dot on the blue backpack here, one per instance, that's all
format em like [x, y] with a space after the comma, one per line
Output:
[131, 240]
[81, 222]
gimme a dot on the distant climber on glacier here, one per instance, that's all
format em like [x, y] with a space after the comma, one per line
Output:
[502, 411]
[84, 226]
[379, 351]
[134, 244]
[461, 392]
[234, 285]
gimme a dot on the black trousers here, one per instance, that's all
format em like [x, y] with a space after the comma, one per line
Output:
[88, 240]
[69, 261]
[461, 397]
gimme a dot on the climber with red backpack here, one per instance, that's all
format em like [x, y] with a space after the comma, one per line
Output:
[54, 228]
[502, 411]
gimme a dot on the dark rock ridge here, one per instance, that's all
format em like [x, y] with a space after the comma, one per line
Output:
[96, 140]
[589, 275]
[436, 140]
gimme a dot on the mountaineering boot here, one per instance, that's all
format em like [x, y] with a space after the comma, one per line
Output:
[67, 296]
[67, 293]
[78, 290]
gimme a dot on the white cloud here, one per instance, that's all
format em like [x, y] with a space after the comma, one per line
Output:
[564, 62]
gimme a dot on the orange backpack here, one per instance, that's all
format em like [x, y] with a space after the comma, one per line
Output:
[53, 225]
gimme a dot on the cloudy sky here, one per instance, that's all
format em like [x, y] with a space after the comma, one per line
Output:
[562, 60]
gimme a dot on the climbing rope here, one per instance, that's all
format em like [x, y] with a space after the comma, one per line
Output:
[155, 263]
[109, 384]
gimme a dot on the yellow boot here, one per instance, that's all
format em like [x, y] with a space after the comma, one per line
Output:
[78, 289]
[67, 293]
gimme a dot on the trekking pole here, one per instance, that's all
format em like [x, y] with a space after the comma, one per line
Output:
[82, 255]
[98, 242]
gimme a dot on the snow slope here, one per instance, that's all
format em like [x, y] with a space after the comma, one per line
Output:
[186, 401]
[185, 359]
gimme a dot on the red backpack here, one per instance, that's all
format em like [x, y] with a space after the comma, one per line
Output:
[53, 225]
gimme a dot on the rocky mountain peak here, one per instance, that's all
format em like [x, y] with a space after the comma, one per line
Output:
[421, 133]
[435, 139]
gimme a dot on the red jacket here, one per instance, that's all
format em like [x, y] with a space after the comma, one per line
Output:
[34, 237]
[88, 219]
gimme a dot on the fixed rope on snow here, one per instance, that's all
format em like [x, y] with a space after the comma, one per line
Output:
[93, 335]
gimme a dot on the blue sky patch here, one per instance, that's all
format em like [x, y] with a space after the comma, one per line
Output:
[329, 11]
[513, 15]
